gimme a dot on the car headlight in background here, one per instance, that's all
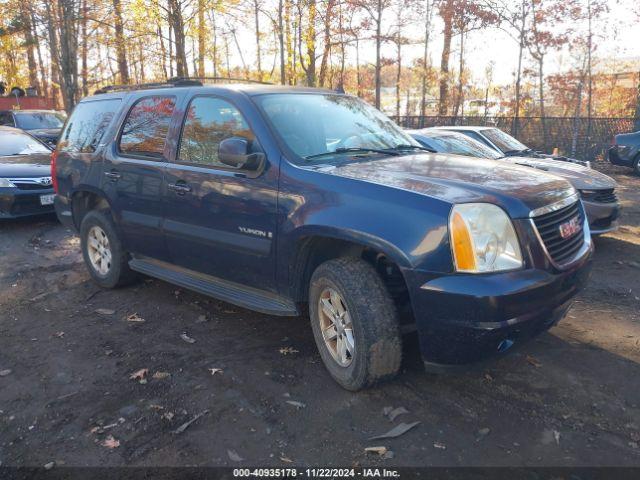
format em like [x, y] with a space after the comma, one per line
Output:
[5, 183]
[483, 239]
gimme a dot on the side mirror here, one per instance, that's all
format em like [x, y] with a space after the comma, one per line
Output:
[234, 152]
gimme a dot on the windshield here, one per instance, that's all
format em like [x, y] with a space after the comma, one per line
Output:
[461, 145]
[326, 126]
[36, 120]
[503, 141]
[18, 143]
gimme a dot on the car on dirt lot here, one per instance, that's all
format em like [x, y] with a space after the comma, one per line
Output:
[279, 198]
[506, 144]
[25, 175]
[597, 190]
[45, 125]
[625, 151]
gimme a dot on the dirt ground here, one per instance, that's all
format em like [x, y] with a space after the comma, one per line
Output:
[571, 397]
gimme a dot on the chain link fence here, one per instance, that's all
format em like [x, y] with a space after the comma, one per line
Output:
[583, 138]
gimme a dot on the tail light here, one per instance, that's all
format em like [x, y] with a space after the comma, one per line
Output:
[54, 178]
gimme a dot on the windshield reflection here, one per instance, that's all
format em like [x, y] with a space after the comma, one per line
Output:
[312, 125]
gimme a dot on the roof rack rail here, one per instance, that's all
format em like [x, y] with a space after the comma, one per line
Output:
[176, 82]
[216, 79]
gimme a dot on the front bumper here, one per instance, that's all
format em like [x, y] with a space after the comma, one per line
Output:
[602, 216]
[620, 156]
[15, 203]
[465, 318]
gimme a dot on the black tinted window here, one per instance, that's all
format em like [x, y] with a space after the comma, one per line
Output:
[87, 125]
[145, 129]
[208, 122]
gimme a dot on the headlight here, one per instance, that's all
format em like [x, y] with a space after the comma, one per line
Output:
[5, 183]
[483, 239]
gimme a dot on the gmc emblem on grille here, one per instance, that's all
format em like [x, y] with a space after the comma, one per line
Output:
[570, 228]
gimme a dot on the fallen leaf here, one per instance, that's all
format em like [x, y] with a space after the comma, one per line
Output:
[439, 445]
[286, 459]
[168, 415]
[234, 456]
[139, 375]
[186, 424]
[110, 442]
[215, 370]
[379, 450]
[288, 350]
[59, 334]
[396, 431]
[4, 373]
[155, 406]
[161, 375]
[533, 361]
[135, 318]
[392, 413]
[104, 311]
[187, 338]
[556, 436]
[201, 319]
[483, 432]
[49, 466]
[298, 405]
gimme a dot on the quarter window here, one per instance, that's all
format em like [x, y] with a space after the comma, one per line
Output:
[87, 125]
[208, 121]
[145, 129]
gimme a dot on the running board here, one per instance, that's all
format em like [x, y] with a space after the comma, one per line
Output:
[246, 297]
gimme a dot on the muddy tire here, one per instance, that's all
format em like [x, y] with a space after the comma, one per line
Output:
[102, 251]
[355, 323]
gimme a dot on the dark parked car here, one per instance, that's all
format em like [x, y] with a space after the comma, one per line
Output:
[505, 144]
[278, 198]
[45, 125]
[596, 189]
[25, 175]
[626, 151]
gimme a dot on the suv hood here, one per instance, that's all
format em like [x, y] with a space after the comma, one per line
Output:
[458, 179]
[35, 165]
[581, 177]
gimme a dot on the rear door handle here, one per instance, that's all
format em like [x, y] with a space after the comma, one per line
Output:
[179, 188]
[113, 175]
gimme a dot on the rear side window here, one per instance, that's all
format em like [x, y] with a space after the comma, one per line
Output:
[87, 125]
[145, 129]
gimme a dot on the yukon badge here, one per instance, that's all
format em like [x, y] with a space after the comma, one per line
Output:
[570, 228]
[256, 232]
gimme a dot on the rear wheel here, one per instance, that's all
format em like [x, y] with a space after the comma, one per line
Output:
[102, 251]
[636, 165]
[355, 323]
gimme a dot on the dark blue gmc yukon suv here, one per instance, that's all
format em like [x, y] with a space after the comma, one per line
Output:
[280, 199]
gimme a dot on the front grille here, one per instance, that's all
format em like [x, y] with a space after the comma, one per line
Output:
[32, 183]
[32, 186]
[561, 250]
[600, 196]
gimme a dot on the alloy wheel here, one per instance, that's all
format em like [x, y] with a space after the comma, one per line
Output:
[99, 250]
[336, 327]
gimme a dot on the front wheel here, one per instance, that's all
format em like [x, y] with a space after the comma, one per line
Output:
[355, 323]
[636, 165]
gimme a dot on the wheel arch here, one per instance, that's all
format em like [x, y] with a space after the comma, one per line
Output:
[315, 248]
[85, 199]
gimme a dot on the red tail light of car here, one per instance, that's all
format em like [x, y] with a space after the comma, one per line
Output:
[54, 179]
